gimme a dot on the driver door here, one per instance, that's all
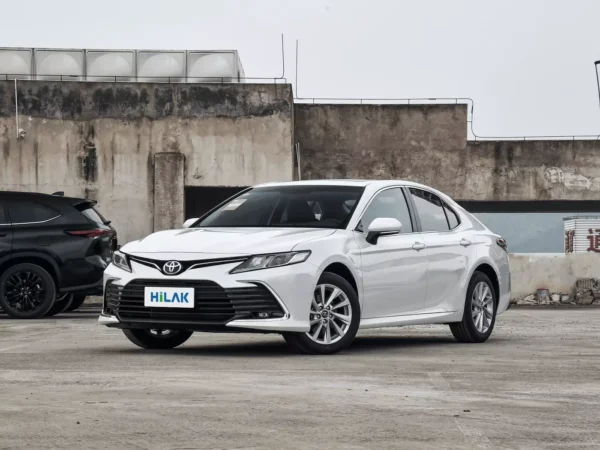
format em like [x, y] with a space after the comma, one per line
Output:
[395, 268]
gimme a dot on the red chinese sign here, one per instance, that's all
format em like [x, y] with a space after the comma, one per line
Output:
[569, 235]
[594, 240]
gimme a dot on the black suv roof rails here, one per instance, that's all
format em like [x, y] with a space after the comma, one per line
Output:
[59, 193]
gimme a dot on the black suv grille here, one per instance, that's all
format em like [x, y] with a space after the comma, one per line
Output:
[213, 304]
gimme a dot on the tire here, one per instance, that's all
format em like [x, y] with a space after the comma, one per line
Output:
[328, 325]
[78, 300]
[61, 304]
[152, 339]
[479, 317]
[37, 299]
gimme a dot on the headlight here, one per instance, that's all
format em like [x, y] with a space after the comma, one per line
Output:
[258, 262]
[120, 260]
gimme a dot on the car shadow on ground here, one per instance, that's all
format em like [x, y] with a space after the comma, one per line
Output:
[279, 348]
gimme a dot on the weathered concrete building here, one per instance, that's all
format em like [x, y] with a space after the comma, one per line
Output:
[134, 146]
[140, 148]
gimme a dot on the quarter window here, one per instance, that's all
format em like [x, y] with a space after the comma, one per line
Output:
[28, 212]
[389, 203]
[453, 219]
[430, 209]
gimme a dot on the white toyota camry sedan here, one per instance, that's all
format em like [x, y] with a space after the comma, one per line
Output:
[314, 261]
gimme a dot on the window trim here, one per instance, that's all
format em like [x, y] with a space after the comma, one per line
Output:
[18, 200]
[34, 223]
[443, 202]
[412, 214]
[446, 205]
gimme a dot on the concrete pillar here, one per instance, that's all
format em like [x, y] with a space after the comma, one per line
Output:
[169, 180]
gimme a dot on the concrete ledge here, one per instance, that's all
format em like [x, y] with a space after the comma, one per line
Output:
[555, 272]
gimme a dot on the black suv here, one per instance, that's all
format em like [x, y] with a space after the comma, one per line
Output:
[53, 252]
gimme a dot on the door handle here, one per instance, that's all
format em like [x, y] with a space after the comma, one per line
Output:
[418, 246]
[3, 234]
[465, 242]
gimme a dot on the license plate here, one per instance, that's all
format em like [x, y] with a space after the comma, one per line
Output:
[169, 297]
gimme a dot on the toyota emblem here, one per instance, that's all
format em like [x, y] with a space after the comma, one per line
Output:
[172, 267]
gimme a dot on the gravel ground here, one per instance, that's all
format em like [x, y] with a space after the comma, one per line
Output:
[68, 383]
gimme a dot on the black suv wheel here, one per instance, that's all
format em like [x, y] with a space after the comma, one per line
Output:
[27, 291]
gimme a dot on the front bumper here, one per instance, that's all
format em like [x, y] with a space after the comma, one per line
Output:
[292, 287]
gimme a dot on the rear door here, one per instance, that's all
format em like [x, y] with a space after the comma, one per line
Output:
[395, 268]
[6, 234]
[35, 226]
[449, 250]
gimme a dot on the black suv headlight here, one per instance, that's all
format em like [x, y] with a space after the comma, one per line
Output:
[258, 262]
[119, 259]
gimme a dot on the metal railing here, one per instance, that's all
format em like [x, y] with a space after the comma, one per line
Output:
[441, 100]
[156, 79]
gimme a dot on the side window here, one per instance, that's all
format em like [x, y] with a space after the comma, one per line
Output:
[430, 210]
[453, 219]
[27, 211]
[389, 203]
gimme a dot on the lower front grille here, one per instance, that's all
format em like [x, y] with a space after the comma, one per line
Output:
[213, 304]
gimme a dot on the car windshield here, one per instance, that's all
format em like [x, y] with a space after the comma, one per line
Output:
[287, 206]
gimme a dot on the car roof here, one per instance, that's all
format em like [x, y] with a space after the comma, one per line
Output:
[53, 197]
[361, 183]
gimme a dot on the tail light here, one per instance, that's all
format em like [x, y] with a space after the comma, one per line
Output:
[502, 244]
[89, 233]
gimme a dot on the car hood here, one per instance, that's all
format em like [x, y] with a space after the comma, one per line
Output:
[223, 241]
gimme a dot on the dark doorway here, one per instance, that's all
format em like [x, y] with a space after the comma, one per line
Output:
[201, 199]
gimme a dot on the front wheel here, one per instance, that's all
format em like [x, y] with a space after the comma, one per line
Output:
[334, 318]
[479, 316]
[157, 338]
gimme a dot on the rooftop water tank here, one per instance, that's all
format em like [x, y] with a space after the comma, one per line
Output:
[110, 65]
[15, 63]
[158, 66]
[59, 64]
[212, 67]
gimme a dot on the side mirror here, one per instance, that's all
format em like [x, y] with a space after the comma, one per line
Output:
[382, 225]
[188, 223]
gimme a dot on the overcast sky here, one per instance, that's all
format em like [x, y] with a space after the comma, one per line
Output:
[528, 64]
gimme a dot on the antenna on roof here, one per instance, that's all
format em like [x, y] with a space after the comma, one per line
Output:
[59, 193]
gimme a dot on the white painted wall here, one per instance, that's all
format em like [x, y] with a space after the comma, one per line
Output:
[555, 272]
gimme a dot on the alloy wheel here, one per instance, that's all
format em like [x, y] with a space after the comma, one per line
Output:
[24, 291]
[330, 314]
[482, 307]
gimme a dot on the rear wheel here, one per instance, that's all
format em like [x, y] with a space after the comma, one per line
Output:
[479, 315]
[157, 338]
[78, 300]
[334, 318]
[27, 291]
[61, 304]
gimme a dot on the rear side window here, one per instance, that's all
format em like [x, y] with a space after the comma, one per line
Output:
[430, 209]
[93, 215]
[453, 219]
[26, 211]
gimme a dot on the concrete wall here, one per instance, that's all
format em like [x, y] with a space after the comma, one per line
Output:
[557, 273]
[532, 170]
[428, 144]
[413, 142]
[99, 140]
